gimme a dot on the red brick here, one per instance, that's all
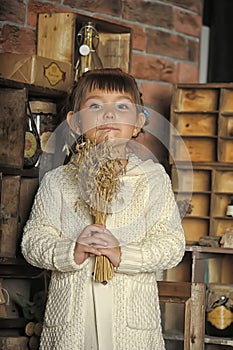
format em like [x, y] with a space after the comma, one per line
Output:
[166, 44]
[187, 23]
[13, 11]
[36, 7]
[192, 5]
[138, 38]
[193, 50]
[187, 73]
[158, 96]
[110, 7]
[153, 68]
[18, 40]
[148, 13]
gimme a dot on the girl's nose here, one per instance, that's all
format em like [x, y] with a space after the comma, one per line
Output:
[109, 112]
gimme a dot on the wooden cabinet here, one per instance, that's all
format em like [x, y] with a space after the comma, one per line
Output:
[201, 155]
[17, 190]
[201, 158]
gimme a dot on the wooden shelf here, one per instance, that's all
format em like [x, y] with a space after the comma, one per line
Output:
[33, 90]
[18, 268]
[203, 249]
[218, 340]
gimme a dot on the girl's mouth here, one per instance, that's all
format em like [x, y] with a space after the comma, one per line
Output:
[107, 128]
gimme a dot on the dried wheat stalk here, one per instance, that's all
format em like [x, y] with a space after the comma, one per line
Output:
[98, 175]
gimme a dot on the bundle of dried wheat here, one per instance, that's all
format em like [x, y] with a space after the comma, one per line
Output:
[98, 177]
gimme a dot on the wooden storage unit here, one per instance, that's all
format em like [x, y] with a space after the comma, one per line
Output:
[208, 265]
[17, 190]
[201, 145]
[209, 189]
[53, 41]
[202, 175]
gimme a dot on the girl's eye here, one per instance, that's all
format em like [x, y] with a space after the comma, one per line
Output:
[123, 106]
[95, 106]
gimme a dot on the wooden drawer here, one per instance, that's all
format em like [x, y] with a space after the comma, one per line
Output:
[12, 127]
[9, 195]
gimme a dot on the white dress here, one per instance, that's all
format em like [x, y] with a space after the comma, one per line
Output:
[98, 320]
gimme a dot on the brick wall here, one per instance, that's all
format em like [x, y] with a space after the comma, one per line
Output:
[165, 39]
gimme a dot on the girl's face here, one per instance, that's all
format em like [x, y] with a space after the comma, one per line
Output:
[109, 115]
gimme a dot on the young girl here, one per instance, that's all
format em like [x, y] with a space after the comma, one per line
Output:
[143, 233]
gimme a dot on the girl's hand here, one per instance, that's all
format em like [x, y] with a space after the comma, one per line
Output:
[91, 238]
[112, 251]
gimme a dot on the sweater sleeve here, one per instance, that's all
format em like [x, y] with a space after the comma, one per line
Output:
[164, 244]
[43, 244]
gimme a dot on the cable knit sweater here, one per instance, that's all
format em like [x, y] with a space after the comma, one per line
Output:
[146, 222]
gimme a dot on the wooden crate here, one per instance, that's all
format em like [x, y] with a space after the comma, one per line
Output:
[56, 36]
[57, 39]
[114, 50]
[13, 125]
[9, 195]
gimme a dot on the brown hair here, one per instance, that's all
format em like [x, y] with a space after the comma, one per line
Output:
[106, 79]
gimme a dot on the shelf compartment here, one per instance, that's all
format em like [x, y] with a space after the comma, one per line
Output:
[226, 125]
[220, 203]
[195, 180]
[225, 150]
[223, 181]
[219, 226]
[226, 100]
[199, 205]
[200, 149]
[196, 99]
[196, 124]
[194, 228]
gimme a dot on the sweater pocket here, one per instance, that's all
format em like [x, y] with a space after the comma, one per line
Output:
[58, 308]
[143, 307]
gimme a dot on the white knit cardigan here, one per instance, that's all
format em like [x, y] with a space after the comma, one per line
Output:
[146, 222]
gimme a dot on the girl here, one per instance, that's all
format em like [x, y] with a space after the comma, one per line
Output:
[142, 235]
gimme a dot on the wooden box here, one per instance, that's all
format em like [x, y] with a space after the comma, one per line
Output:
[57, 39]
[55, 36]
[114, 50]
[12, 130]
[9, 195]
[36, 70]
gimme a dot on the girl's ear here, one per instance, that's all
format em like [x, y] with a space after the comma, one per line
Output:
[72, 120]
[139, 123]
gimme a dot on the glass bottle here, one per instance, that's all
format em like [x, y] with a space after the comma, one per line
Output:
[229, 211]
[88, 41]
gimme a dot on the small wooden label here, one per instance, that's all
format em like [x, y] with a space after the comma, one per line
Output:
[220, 317]
[54, 74]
